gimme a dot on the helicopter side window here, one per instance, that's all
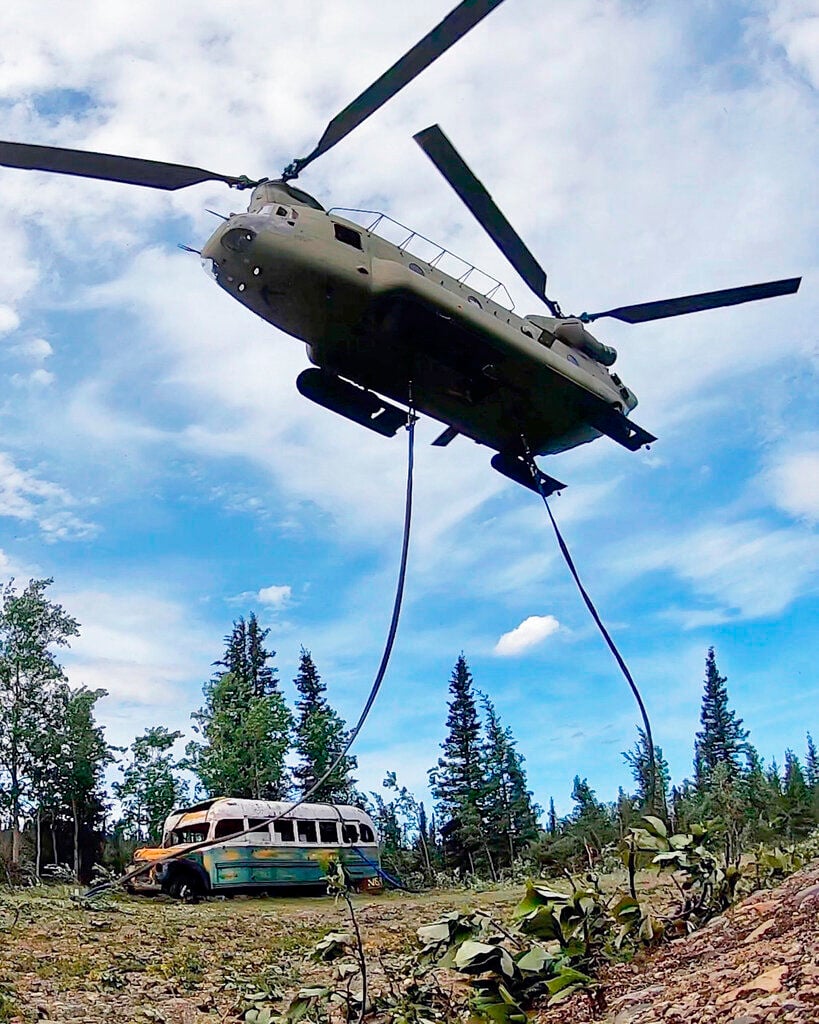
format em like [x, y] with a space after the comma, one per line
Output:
[348, 236]
[282, 211]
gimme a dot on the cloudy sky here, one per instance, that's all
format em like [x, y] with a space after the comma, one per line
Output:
[157, 461]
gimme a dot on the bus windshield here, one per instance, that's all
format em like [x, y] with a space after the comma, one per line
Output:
[188, 834]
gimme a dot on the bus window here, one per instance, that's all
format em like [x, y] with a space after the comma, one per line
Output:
[261, 834]
[188, 834]
[366, 833]
[307, 832]
[228, 826]
[285, 831]
[350, 832]
[328, 833]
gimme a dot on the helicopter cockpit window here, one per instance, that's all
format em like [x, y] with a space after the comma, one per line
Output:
[348, 236]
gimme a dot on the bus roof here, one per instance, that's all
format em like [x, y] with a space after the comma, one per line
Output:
[234, 807]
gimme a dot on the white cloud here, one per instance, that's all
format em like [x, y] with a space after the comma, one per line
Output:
[26, 496]
[531, 632]
[37, 349]
[9, 320]
[275, 596]
[794, 480]
[141, 648]
[38, 378]
[745, 569]
[795, 24]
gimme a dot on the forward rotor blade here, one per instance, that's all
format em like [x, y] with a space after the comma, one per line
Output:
[126, 169]
[455, 25]
[645, 311]
[449, 162]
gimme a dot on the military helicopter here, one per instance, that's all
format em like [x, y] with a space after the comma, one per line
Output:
[382, 325]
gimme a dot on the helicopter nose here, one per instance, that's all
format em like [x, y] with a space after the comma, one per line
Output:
[225, 254]
[238, 239]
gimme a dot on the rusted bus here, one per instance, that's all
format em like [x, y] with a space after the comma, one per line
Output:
[290, 851]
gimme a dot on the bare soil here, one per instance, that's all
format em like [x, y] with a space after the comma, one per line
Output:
[154, 959]
[138, 959]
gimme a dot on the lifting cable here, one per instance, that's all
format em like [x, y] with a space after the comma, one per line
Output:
[536, 476]
[352, 736]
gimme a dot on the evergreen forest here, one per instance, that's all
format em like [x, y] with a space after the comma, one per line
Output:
[70, 800]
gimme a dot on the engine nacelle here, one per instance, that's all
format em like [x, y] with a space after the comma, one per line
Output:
[572, 332]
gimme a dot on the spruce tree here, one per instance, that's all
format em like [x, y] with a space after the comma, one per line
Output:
[510, 818]
[640, 763]
[246, 657]
[590, 820]
[796, 798]
[457, 782]
[812, 765]
[722, 739]
[551, 827]
[321, 735]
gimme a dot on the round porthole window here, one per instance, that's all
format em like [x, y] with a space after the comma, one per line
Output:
[572, 359]
[416, 269]
[475, 302]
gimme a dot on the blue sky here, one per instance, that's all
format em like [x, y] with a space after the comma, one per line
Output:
[156, 459]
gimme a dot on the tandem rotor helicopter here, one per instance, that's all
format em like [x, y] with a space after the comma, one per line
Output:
[382, 325]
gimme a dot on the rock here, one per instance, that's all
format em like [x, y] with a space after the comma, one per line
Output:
[760, 930]
[807, 894]
[640, 995]
[627, 1015]
[767, 981]
[762, 908]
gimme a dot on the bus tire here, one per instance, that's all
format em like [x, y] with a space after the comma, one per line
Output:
[184, 886]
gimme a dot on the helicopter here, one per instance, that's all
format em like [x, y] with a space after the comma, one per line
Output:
[384, 326]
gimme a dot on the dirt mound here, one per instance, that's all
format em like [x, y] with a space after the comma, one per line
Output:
[758, 962]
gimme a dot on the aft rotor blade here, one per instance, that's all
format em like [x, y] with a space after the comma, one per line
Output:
[645, 311]
[127, 169]
[455, 25]
[450, 163]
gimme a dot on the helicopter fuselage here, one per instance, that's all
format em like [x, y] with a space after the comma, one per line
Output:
[372, 313]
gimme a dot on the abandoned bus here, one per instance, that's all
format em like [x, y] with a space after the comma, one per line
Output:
[295, 850]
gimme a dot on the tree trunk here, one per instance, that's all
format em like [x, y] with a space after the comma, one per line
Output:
[76, 817]
[426, 855]
[38, 839]
[14, 775]
[492, 873]
[54, 856]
